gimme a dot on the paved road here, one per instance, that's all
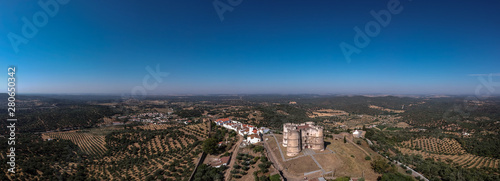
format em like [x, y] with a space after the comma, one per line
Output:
[227, 176]
[413, 172]
[369, 142]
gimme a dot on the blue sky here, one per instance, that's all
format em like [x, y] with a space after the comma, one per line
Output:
[260, 47]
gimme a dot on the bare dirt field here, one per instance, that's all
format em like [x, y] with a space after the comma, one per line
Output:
[338, 159]
[386, 109]
[327, 113]
[351, 160]
[301, 165]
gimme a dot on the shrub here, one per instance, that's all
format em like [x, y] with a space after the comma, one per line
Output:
[342, 179]
[275, 177]
[236, 166]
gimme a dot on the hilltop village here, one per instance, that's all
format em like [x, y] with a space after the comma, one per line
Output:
[252, 133]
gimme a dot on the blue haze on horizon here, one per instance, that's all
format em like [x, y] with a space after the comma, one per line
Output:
[261, 46]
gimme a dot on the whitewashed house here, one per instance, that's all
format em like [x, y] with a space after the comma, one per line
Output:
[253, 138]
[357, 134]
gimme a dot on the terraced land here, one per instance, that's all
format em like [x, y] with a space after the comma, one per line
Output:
[464, 160]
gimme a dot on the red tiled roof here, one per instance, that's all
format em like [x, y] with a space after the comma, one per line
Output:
[223, 119]
[254, 131]
[225, 159]
[252, 136]
[303, 127]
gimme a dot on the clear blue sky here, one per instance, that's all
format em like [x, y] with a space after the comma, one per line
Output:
[261, 46]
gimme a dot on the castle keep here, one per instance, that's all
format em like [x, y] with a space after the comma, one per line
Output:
[301, 136]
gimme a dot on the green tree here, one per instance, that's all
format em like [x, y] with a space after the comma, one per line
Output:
[395, 177]
[210, 146]
[380, 165]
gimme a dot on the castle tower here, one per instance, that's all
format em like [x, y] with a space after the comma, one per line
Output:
[294, 145]
[286, 127]
[318, 141]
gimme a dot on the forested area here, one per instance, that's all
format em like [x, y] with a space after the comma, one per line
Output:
[436, 171]
[58, 118]
[47, 160]
[482, 145]
[276, 120]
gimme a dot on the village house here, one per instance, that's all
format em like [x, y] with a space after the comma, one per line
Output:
[243, 129]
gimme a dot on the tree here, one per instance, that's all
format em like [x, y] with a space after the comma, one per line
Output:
[342, 179]
[395, 176]
[275, 177]
[258, 149]
[380, 166]
[210, 146]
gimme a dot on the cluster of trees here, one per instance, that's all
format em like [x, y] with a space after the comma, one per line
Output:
[455, 110]
[178, 160]
[189, 113]
[246, 160]
[62, 117]
[431, 169]
[263, 169]
[36, 159]
[119, 141]
[447, 172]
[208, 173]
[388, 170]
[210, 145]
[482, 145]
[274, 119]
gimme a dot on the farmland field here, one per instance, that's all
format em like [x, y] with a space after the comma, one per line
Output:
[91, 141]
[463, 160]
[435, 145]
[156, 151]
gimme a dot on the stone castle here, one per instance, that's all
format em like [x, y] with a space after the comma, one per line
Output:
[297, 137]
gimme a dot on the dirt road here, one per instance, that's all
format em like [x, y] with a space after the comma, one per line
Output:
[227, 176]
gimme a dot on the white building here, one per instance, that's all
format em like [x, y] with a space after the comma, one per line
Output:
[253, 138]
[357, 134]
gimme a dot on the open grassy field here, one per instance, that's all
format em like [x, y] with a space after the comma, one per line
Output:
[338, 159]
